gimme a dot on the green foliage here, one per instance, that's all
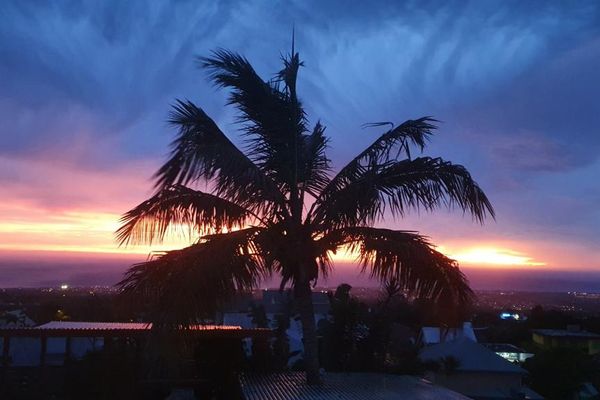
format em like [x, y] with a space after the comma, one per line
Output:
[368, 338]
[272, 354]
[104, 375]
[343, 335]
[557, 374]
[259, 316]
[218, 363]
[281, 343]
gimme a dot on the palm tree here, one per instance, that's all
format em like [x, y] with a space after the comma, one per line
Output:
[275, 208]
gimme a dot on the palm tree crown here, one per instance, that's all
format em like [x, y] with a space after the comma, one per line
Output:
[275, 208]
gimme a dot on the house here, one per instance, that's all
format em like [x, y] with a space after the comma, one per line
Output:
[15, 319]
[342, 386]
[474, 370]
[243, 319]
[573, 336]
[275, 303]
[401, 337]
[55, 342]
[44, 359]
[278, 302]
[588, 392]
[433, 335]
[509, 352]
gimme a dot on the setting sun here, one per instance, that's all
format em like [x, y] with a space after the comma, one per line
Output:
[472, 256]
[493, 256]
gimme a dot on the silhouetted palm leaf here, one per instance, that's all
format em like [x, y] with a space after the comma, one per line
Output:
[271, 119]
[184, 286]
[315, 175]
[364, 197]
[389, 146]
[178, 206]
[201, 151]
[408, 259]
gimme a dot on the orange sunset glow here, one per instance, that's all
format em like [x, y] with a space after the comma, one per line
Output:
[93, 232]
[75, 231]
[26, 227]
[482, 256]
[485, 256]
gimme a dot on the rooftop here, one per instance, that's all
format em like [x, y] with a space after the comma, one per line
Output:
[52, 325]
[85, 329]
[566, 333]
[121, 326]
[343, 386]
[504, 347]
[471, 356]
[434, 334]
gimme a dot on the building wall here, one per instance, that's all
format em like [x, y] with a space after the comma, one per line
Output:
[594, 346]
[590, 346]
[27, 351]
[540, 340]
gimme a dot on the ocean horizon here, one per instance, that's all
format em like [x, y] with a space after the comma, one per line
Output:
[46, 269]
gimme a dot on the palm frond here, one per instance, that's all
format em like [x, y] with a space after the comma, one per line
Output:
[387, 147]
[301, 259]
[178, 205]
[425, 182]
[289, 74]
[313, 159]
[273, 119]
[398, 140]
[407, 259]
[202, 151]
[185, 286]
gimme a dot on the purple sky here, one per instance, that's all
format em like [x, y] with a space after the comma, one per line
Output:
[85, 89]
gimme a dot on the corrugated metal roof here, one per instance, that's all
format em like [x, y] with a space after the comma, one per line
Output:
[117, 326]
[95, 325]
[342, 386]
[128, 329]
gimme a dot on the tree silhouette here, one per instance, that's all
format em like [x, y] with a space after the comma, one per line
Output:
[275, 208]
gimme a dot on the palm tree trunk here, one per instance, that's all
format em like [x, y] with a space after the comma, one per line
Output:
[303, 295]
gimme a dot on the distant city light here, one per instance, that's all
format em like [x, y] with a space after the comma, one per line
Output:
[64, 286]
[514, 316]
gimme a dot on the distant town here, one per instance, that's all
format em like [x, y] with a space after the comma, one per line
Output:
[520, 341]
[96, 303]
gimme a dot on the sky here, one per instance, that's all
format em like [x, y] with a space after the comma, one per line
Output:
[85, 90]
